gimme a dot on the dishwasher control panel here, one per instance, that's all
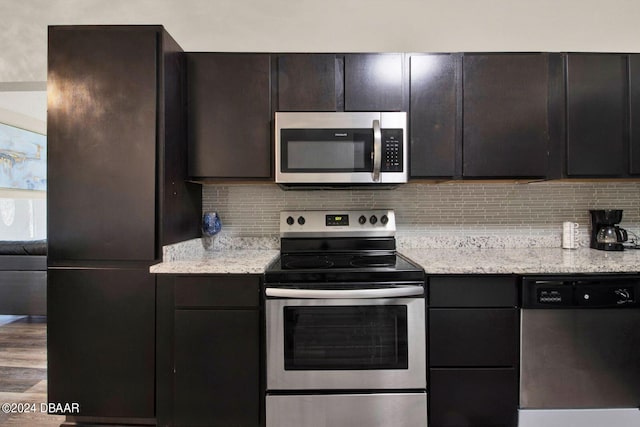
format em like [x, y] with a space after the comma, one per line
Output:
[581, 292]
[551, 296]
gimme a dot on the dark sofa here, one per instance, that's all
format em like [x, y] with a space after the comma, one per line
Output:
[23, 277]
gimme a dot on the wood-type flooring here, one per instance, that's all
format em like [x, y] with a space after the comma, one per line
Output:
[23, 373]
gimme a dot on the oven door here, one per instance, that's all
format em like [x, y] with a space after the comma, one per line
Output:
[346, 344]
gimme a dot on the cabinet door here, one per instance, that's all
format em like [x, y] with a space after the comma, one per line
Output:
[102, 108]
[101, 341]
[307, 82]
[217, 368]
[373, 82]
[434, 136]
[597, 115]
[229, 115]
[473, 397]
[505, 124]
[473, 337]
[634, 95]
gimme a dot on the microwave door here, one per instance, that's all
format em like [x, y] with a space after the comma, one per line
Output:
[329, 153]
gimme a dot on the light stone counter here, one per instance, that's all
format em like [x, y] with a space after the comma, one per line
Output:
[189, 257]
[524, 261]
[223, 261]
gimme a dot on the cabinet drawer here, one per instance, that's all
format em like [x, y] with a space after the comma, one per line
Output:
[473, 397]
[217, 291]
[473, 291]
[473, 337]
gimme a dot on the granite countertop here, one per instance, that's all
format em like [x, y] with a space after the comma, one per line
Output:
[224, 261]
[189, 258]
[524, 261]
[434, 261]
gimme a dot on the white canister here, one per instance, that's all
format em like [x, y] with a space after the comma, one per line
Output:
[570, 231]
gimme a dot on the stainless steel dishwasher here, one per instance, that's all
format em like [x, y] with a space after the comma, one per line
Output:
[580, 351]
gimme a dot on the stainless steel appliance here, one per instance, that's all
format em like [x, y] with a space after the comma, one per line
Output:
[580, 351]
[346, 148]
[605, 233]
[345, 324]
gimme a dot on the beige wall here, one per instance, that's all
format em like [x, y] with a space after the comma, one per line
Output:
[330, 25]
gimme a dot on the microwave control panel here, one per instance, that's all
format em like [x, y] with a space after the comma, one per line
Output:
[392, 153]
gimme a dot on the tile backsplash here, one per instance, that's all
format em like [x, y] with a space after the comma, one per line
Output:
[494, 215]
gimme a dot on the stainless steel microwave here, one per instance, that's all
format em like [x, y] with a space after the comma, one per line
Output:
[345, 148]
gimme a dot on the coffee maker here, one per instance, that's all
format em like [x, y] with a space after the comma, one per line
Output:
[605, 233]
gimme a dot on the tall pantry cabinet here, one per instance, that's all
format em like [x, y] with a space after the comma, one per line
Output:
[117, 165]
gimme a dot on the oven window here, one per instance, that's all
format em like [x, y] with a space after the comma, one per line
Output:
[345, 337]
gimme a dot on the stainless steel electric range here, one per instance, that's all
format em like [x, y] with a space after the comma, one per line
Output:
[345, 324]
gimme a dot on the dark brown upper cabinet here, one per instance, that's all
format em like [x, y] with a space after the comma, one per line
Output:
[229, 115]
[597, 111]
[434, 120]
[102, 139]
[307, 82]
[506, 115]
[116, 144]
[373, 82]
[634, 104]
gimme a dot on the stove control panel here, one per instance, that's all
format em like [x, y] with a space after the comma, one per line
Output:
[338, 223]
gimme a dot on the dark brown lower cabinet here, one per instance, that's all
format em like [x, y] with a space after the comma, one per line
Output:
[473, 351]
[100, 341]
[216, 368]
[473, 337]
[473, 397]
[208, 369]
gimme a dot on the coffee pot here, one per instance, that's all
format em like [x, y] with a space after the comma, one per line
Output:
[605, 233]
[611, 234]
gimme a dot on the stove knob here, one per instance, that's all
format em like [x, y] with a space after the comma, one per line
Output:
[301, 220]
[290, 220]
[384, 219]
[362, 219]
[623, 296]
[373, 219]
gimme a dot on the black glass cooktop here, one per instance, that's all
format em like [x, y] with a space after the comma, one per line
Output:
[328, 267]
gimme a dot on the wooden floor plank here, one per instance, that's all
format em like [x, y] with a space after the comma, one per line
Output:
[23, 374]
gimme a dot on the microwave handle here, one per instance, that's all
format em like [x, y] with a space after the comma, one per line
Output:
[405, 291]
[377, 150]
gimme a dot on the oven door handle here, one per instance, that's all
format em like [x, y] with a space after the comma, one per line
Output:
[405, 291]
